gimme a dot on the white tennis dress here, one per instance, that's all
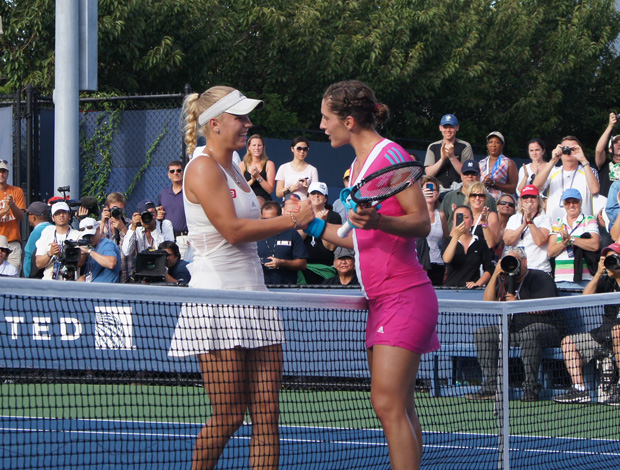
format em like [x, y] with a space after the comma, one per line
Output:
[217, 264]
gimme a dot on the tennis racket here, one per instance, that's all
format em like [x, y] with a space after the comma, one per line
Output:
[379, 186]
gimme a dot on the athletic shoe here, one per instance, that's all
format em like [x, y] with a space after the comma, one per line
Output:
[529, 395]
[573, 396]
[614, 398]
[480, 395]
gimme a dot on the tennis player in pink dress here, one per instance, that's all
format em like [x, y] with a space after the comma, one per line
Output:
[402, 303]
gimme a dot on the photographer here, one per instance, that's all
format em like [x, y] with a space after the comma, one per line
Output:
[146, 231]
[103, 262]
[176, 268]
[512, 280]
[50, 254]
[113, 226]
[582, 348]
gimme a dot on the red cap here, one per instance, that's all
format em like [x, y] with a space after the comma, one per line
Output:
[529, 190]
[615, 247]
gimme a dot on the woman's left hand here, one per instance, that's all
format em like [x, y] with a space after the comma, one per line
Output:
[301, 210]
[484, 216]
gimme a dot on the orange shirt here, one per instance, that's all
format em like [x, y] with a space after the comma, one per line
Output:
[9, 225]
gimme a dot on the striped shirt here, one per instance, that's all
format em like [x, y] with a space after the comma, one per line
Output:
[564, 264]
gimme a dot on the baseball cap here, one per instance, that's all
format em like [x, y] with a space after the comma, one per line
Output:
[571, 193]
[615, 247]
[470, 166]
[88, 226]
[529, 190]
[144, 205]
[341, 252]
[497, 134]
[449, 120]
[38, 208]
[318, 186]
[4, 244]
[233, 103]
[613, 139]
[4, 165]
[60, 206]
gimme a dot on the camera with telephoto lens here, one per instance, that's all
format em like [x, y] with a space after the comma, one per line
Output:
[566, 150]
[70, 256]
[146, 217]
[116, 212]
[511, 265]
[612, 262]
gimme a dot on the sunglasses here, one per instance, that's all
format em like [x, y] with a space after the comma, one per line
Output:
[177, 170]
[88, 227]
[529, 197]
[506, 203]
[568, 202]
[477, 195]
[4, 161]
[302, 149]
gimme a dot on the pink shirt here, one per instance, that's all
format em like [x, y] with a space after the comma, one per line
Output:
[385, 263]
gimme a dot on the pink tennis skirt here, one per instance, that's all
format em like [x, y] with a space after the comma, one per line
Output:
[406, 320]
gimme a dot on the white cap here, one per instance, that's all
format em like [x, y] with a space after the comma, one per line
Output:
[88, 226]
[318, 186]
[60, 206]
[4, 244]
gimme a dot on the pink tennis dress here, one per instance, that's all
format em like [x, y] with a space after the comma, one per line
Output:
[403, 305]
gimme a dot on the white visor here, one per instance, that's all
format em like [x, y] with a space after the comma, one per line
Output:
[233, 103]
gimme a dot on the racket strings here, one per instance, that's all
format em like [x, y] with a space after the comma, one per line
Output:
[388, 183]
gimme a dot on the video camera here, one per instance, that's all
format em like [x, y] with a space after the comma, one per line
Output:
[150, 267]
[69, 258]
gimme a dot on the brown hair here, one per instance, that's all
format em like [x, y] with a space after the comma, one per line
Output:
[247, 159]
[356, 99]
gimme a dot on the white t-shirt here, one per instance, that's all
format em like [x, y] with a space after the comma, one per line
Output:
[559, 181]
[7, 269]
[48, 236]
[291, 177]
[536, 255]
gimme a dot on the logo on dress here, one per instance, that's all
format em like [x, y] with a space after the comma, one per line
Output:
[380, 330]
[233, 193]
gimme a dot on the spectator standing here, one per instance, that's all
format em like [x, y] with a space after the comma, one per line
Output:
[581, 348]
[574, 243]
[6, 268]
[608, 168]
[176, 268]
[457, 197]
[529, 229]
[38, 215]
[344, 262]
[103, 257]
[499, 173]
[445, 157]
[258, 170]
[296, 176]
[532, 331]
[170, 199]
[52, 241]
[575, 172]
[12, 210]
[439, 231]
[282, 255]
[464, 254]
[527, 173]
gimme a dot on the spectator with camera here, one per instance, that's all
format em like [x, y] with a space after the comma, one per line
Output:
[533, 331]
[103, 258]
[574, 172]
[52, 249]
[282, 255]
[113, 226]
[6, 268]
[445, 158]
[608, 168]
[170, 200]
[176, 268]
[38, 218]
[12, 210]
[529, 228]
[574, 243]
[581, 348]
[146, 231]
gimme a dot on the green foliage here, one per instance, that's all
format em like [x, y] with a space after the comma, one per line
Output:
[525, 67]
[147, 162]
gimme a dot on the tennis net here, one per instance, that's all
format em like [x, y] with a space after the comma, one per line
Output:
[88, 382]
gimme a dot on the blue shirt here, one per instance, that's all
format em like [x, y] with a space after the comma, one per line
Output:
[99, 273]
[173, 205]
[612, 208]
[31, 246]
[287, 245]
[180, 272]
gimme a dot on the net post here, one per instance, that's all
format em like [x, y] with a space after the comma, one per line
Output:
[502, 400]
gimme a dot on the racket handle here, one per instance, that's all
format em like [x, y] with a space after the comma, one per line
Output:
[346, 228]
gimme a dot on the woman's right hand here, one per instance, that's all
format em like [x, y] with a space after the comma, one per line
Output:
[301, 210]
